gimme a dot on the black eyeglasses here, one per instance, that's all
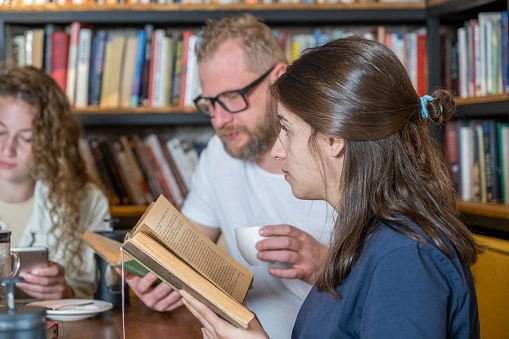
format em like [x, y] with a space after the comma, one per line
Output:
[232, 101]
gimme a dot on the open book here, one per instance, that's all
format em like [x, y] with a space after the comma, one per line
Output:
[171, 247]
[109, 250]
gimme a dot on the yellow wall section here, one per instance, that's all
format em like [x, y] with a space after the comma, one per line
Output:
[491, 277]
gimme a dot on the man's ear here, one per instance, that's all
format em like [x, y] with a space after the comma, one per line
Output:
[335, 146]
[278, 70]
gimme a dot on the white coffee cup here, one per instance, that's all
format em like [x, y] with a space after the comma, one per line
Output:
[247, 237]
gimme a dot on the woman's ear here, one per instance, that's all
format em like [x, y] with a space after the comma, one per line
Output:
[335, 146]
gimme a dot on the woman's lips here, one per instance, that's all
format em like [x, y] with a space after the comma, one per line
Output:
[6, 165]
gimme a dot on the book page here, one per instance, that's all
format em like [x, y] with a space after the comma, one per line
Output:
[107, 248]
[178, 275]
[181, 237]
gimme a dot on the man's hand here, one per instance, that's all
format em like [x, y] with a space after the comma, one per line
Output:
[160, 298]
[46, 283]
[295, 246]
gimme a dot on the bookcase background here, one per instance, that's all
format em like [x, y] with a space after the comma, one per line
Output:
[433, 14]
[490, 219]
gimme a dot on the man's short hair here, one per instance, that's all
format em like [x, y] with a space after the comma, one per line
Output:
[261, 47]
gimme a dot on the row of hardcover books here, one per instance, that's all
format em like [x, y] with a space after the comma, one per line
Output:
[408, 43]
[135, 170]
[483, 58]
[157, 67]
[162, 2]
[478, 156]
[114, 68]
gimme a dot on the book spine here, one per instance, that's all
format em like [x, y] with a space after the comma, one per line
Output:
[505, 60]
[504, 161]
[127, 71]
[127, 174]
[48, 31]
[83, 67]
[114, 173]
[155, 146]
[465, 158]
[147, 166]
[72, 62]
[38, 48]
[179, 46]
[183, 76]
[159, 173]
[153, 62]
[113, 59]
[29, 37]
[138, 184]
[422, 69]
[59, 58]
[193, 88]
[145, 73]
[174, 146]
[174, 169]
[140, 49]
[492, 160]
[104, 173]
[97, 67]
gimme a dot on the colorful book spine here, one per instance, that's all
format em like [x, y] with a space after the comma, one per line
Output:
[140, 49]
[145, 73]
[72, 62]
[96, 68]
[59, 58]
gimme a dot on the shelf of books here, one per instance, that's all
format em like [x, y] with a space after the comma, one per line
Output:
[474, 65]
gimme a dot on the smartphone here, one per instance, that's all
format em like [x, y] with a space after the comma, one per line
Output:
[29, 258]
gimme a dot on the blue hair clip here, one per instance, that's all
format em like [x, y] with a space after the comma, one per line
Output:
[424, 102]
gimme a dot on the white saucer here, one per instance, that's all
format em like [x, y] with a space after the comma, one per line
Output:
[71, 313]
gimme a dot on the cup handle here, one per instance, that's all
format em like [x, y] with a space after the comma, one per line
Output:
[15, 267]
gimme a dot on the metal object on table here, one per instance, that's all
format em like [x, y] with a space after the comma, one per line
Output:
[108, 282]
[19, 321]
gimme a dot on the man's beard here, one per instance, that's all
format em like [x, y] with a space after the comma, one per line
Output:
[260, 140]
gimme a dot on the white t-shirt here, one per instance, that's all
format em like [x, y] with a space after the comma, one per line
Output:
[229, 193]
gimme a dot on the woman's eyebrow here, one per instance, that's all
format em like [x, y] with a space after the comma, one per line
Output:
[282, 117]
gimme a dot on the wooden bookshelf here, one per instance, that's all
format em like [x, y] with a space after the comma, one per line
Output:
[483, 99]
[136, 110]
[196, 14]
[485, 106]
[120, 211]
[212, 7]
[498, 211]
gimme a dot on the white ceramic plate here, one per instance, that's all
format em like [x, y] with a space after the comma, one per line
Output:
[70, 313]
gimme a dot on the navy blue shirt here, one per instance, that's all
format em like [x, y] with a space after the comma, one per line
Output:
[399, 288]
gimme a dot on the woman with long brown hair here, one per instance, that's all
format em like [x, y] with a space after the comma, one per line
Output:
[355, 133]
[47, 197]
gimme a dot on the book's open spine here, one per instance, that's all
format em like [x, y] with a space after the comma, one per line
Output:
[178, 275]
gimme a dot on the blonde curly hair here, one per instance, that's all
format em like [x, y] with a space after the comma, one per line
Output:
[57, 161]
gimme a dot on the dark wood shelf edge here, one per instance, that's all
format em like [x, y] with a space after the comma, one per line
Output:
[498, 211]
[143, 119]
[197, 17]
[476, 110]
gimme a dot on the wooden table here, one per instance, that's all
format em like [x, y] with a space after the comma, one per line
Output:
[140, 323]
